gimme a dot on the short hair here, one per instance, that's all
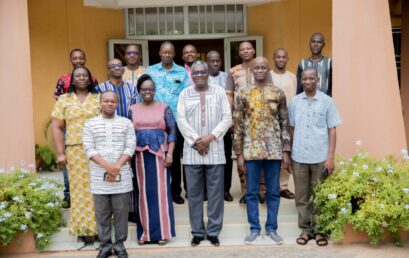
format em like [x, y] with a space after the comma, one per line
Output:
[135, 45]
[106, 92]
[200, 63]
[167, 42]
[211, 52]
[142, 79]
[241, 43]
[91, 86]
[310, 69]
[77, 50]
[318, 34]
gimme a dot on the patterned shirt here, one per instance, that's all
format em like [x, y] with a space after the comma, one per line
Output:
[287, 82]
[169, 84]
[189, 74]
[238, 77]
[132, 76]
[109, 138]
[64, 83]
[200, 114]
[220, 79]
[311, 120]
[74, 113]
[127, 95]
[324, 69]
[261, 129]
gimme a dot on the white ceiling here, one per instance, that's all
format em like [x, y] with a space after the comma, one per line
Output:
[119, 4]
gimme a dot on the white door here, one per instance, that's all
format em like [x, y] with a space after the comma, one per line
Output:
[117, 47]
[231, 49]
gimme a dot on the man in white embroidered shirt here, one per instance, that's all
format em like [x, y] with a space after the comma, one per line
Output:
[204, 116]
[109, 142]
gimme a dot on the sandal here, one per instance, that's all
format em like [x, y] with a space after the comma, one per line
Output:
[302, 240]
[322, 241]
[162, 242]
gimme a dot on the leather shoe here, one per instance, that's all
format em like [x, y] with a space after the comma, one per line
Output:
[261, 198]
[228, 197]
[287, 194]
[196, 240]
[178, 199]
[104, 253]
[243, 200]
[66, 203]
[121, 254]
[214, 240]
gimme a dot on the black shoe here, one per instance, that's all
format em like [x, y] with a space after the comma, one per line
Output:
[228, 197]
[104, 253]
[243, 200]
[196, 240]
[205, 198]
[214, 240]
[261, 198]
[66, 203]
[287, 194]
[178, 199]
[121, 254]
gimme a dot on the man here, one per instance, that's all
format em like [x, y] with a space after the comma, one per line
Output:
[218, 77]
[77, 58]
[189, 56]
[170, 79]
[109, 142]
[322, 64]
[313, 120]
[204, 117]
[127, 93]
[133, 69]
[287, 82]
[261, 141]
[240, 77]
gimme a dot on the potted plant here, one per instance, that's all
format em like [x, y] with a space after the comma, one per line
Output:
[372, 195]
[28, 204]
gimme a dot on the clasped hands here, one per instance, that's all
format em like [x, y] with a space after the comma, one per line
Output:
[202, 144]
[113, 171]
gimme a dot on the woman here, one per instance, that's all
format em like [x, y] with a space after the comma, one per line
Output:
[156, 136]
[69, 115]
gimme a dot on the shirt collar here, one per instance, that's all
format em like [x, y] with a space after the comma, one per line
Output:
[316, 96]
[161, 66]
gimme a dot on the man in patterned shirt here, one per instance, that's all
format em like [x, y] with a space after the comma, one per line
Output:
[262, 141]
[133, 70]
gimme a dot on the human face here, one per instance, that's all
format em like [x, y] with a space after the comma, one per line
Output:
[167, 53]
[246, 51]
[116, 69]
[189, 54]
[77, 59]
[108, 103]
[260, 69]
[317, 44]
[147, 91]
[309, 80]
[81, 79]
[200, 76]
[132, 55]
[280, 59]
[214, 63]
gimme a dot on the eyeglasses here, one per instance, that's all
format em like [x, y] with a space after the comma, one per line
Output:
[112, 66]
[147, 89]
[202, 72]
[129, 53]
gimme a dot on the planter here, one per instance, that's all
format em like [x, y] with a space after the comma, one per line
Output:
[352, 237]
[22, 244]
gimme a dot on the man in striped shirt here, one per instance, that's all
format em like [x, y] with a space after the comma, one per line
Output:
[127, 93]
[109, 142]
[322, 64]
[204, 116]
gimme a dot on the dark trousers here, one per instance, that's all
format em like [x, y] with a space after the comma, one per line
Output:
[177, 171]
[105, 206]
[66, 184]
[228, 168]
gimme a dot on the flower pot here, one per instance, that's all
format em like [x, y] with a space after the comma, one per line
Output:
[21, 244]
[350, 236]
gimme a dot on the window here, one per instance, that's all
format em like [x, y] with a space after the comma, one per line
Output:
[397, 37]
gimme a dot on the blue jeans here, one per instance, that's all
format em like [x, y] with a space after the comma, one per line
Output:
[272, 179]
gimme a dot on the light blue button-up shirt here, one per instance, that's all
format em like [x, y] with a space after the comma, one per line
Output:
[169, 83]
[311, 120]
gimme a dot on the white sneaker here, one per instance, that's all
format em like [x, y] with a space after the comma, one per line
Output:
[274, 237]
[252, 238]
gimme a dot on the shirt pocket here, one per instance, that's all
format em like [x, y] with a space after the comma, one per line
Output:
[320, 119]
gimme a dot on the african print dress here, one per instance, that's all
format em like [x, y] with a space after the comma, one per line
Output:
[74, 113]
[155, 128]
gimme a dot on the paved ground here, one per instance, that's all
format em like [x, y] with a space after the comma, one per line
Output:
[311, 250]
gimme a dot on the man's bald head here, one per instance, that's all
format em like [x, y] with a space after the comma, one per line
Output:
[214, 62]
[260, 70]
[259, 60]
[280, 57]
[280, 51]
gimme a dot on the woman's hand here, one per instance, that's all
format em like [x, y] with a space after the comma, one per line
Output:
[62, 160]
[168, 160]
[241, 165]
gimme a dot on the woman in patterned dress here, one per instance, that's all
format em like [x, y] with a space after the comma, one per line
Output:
[69, 115]
[156, 136]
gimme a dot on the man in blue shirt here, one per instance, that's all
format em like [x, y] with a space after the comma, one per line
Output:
[170, 79]
[313, 120]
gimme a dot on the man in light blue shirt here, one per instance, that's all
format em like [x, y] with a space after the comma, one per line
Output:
[313, 120]
[170, 79]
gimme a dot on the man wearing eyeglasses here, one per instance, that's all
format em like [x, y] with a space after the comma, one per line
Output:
[133, 70]
[127, 93]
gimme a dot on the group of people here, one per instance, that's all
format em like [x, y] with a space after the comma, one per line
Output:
[122, 142]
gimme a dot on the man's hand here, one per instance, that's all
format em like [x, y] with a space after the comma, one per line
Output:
[204, 141]
[204, 151]
[110, 178]
[330, 165]
[286, 162]
[113, 169]
[241, 165]
[168, 160]
[62, 160]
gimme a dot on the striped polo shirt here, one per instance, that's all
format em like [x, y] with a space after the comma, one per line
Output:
[324, 69]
